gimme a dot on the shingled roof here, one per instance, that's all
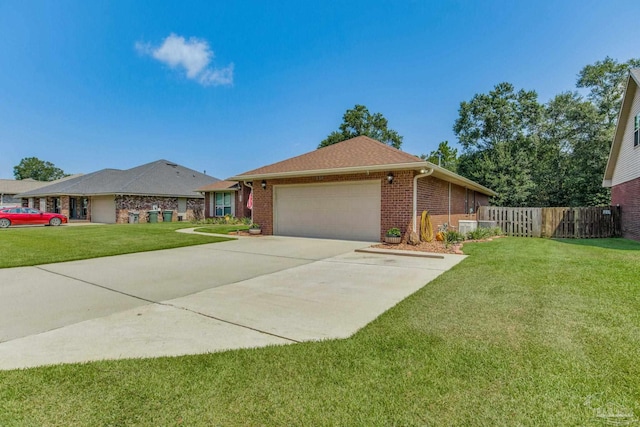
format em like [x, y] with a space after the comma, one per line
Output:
[16, 186]
[159, 178]
[357, 152]
[356, 155]
[219, 186]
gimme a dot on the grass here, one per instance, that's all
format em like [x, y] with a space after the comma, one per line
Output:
[523, 332]
[222, 228]
[42, 245]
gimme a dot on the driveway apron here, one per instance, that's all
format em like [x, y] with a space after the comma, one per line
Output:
[239, 294]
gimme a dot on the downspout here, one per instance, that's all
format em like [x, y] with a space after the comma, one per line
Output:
[449, 209]
[422, 174]
[251, 187]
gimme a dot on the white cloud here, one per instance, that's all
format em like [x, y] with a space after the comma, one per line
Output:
[193, 55]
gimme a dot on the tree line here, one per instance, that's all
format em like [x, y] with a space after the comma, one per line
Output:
[530, 153]
[551, 154]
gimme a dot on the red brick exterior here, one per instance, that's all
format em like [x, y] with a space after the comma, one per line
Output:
[396, 198]
[627, 195]
[433, 196]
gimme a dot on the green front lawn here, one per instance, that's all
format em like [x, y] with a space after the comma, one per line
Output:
[523, 332]
[222, 228]
[42, 245]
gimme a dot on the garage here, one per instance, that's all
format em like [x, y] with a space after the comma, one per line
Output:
[103, 209]
[346, 210]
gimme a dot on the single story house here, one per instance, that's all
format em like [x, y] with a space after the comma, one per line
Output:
[358, 189]
[226, 198]
[109, 195]
[10, 188]
[622, 174]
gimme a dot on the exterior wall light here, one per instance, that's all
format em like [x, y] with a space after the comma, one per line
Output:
[263, 184]
[390, 178]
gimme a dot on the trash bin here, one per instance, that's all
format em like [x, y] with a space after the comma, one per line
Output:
[153, 216]
[134, 217]
[167, 216]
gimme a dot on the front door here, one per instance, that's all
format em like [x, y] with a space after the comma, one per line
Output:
[73, 207]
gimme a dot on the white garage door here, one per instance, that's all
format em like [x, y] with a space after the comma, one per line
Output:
[349, 211]
[103, 209]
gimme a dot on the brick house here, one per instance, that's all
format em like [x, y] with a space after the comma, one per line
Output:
[358, 189]
[226, 198]
[623, 168]
[10, 188]
[109, 195]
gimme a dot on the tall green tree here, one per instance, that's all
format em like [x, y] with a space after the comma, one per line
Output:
[498, 133]
[572, 154]
[359, 121]
[606, 83]
[445, 156]
[40, 170]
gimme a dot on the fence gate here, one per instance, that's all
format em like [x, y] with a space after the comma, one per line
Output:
[581, 222]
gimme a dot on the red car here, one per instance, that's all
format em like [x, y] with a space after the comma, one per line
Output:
[28, 216]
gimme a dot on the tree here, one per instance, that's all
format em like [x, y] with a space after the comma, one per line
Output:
[34, 168]
[498, 134]
[606, 83]
[445, 156]
[572, 154]
[359, 121]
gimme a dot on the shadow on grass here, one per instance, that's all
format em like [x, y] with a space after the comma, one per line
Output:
[608, 243]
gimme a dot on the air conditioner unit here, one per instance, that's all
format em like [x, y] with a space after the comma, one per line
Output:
[465, 225]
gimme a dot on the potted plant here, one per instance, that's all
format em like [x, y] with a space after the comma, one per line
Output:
[393, 236]
[254, 228]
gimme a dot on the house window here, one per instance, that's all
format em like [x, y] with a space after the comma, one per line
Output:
[636, 131]
[223, 204]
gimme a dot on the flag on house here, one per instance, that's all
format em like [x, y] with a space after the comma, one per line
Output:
[250, 201]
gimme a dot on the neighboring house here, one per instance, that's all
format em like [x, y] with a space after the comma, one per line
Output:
[623, 168]
[109, 195]
[9, 188]
[226, 198]
[358, 189]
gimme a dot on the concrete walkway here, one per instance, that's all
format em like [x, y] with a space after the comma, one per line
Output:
[239, 294]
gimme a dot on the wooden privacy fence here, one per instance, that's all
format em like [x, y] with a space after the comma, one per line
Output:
[583, 222]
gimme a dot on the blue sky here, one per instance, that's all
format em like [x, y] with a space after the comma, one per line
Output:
[230, 86]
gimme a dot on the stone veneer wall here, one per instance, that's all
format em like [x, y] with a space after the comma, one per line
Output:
[143, 204]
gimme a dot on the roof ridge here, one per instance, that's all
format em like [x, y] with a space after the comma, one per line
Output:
[145, 169]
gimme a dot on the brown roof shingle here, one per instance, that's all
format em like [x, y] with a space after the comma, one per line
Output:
[220, 185]
[355, 152]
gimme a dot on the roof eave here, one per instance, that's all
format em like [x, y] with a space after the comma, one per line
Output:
[417, 166]
[330, 171]
[195, 194]
[620, 128]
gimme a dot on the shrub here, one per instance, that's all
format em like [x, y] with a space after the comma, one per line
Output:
[496, 231]
[479, 234]
[452, 237]
[394, 232]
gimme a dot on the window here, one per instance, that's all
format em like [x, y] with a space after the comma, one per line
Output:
[636, 131]
[223, 204]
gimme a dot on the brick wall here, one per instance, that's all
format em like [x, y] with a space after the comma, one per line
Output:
[627, 195]
[433, 196]
[396, 199]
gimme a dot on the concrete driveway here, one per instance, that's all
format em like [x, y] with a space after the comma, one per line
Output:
[245, 293]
